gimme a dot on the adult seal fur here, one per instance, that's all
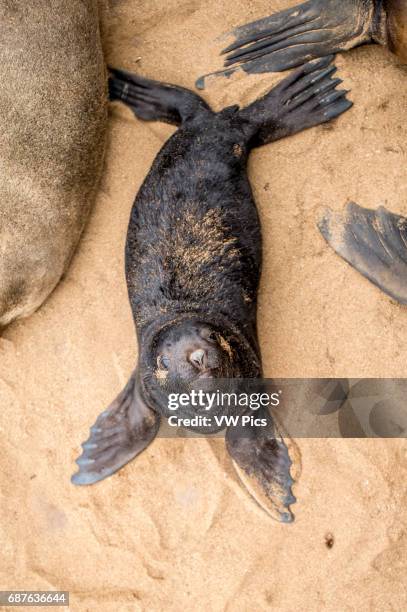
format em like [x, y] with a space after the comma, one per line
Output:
[53, 120]
[314, 29]
[193, 259]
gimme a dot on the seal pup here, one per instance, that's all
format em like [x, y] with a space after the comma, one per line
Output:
[193, 259]
[374, 242]
[53, 121]
[314, 29]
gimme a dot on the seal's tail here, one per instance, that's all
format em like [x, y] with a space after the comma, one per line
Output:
[372, 241]
[306, 98]
[152, 100]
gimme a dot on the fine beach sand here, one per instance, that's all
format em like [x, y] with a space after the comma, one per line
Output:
[174, 529]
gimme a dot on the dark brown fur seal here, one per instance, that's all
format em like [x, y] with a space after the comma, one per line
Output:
[193, 260]
[314, 29]
[53, 120]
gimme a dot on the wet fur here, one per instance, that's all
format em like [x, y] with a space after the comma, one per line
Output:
[53, 121]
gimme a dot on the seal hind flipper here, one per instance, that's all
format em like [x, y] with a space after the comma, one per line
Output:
[262, 462]
[120, 433]
[372, 241]
[294, 36]
[306, 31]
[154, 101]
[305, 98]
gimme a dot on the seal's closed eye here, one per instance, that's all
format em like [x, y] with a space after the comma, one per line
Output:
[163, 362]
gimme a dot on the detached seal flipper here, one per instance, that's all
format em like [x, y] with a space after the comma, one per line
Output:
[119, 434]
[372, 241]
[262, 462]
[154, 101]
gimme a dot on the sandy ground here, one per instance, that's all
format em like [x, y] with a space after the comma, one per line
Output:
[174, 529]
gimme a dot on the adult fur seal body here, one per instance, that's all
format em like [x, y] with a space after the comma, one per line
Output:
[193, 258]
[53, 118]
[314, 29]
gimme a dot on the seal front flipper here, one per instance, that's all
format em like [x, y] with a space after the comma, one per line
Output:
[262, 461]
[119, 434]
[373, 242]
[305, 98]
[154, 101]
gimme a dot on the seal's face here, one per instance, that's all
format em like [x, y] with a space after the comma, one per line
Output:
[190, 351]
[191, 354]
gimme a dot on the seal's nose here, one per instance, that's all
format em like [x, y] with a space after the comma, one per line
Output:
[198, 358]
